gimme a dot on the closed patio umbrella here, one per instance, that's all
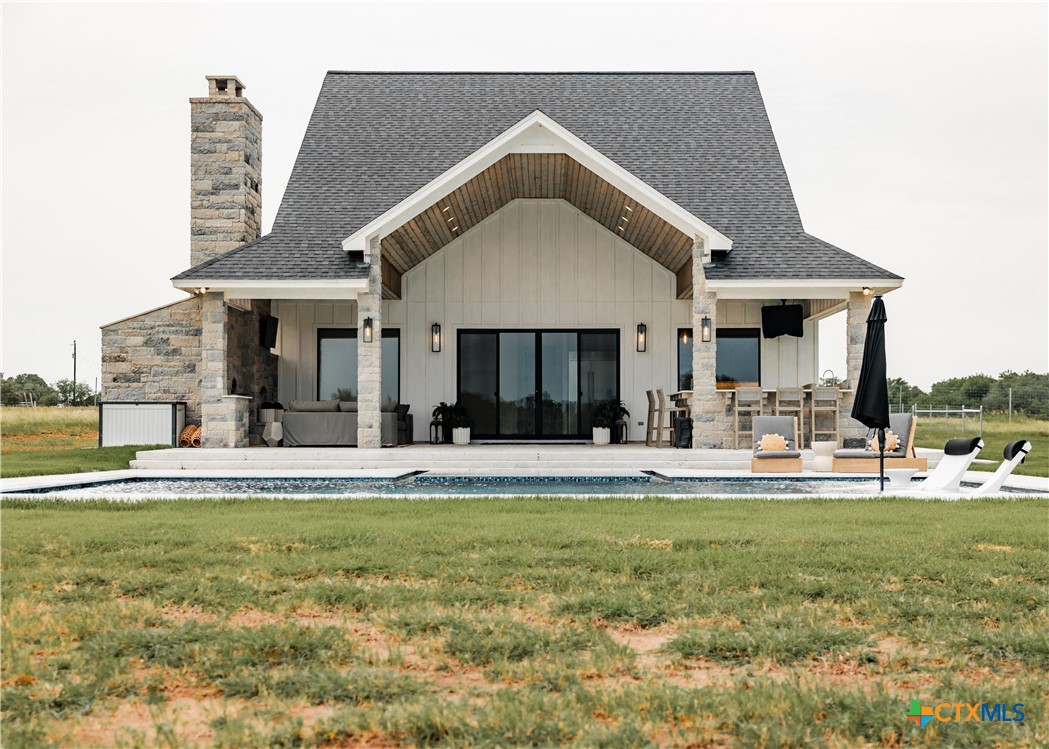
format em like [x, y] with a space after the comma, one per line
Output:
[871, 407]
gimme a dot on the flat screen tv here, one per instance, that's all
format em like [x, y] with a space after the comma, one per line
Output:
[268, 331]
[781, 319]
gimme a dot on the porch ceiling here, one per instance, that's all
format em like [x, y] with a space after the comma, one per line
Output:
[534, 175]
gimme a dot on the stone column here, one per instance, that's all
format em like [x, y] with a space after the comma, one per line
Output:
[223, 418]
[859, 306]
[369, 356]
[708, 405]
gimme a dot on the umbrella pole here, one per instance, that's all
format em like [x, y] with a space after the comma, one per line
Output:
[881, 460]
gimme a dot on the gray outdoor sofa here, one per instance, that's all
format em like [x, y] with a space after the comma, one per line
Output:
[333, 423]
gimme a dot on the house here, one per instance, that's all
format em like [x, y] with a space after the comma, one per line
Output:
[525, 243]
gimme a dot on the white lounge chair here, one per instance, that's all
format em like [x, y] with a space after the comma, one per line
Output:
[1014, 453]
[946, 477]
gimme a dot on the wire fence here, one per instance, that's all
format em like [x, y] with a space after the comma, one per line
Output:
[975, 415]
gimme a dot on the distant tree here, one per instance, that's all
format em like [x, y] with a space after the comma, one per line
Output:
[9, 395]
[1030, 393]
[960, 391]
[902, 394]
[68, 395]
[14, 390]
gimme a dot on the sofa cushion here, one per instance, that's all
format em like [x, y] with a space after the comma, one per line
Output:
[348, 407]
[402, 411]
[388, 406]
[314, 406]
[777, 454]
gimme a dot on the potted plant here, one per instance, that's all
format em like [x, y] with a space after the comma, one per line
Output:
[603, 420]
[460, 422]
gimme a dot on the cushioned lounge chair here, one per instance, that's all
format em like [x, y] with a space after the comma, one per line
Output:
[958, 455]
[776, 461]
[865, 460]
[1015, 453]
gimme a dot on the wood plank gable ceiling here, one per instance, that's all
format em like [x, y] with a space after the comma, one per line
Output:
[540, 175]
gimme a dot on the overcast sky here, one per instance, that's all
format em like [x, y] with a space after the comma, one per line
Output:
[914, 136]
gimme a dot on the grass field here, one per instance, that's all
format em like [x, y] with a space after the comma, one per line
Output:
[997, 433]
[521, 622]
[47, 441]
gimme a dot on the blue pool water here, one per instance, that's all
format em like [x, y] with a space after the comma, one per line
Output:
[432, 486]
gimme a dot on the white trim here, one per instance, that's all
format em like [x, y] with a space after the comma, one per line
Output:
[800, 288]
[536, 133]
[322, 288]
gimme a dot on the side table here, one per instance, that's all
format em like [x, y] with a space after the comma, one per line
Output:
[824, 460]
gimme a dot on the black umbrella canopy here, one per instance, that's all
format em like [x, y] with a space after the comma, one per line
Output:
[871, 407]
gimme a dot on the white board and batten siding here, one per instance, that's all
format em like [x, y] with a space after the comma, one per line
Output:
[533, 264]
[140, 423]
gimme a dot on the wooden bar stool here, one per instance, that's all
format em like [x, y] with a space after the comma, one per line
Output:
[748, 403]
[825, 401]
[791, 402]
[664, 409]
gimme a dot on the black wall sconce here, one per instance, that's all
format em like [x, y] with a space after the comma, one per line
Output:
[368, 330]
[642, 337]
[435, 338]
[704, 330]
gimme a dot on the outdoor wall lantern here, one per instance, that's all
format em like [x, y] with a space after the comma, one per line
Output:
[435, 337]
[866, 291]
[368, 328]
[704, 330]
[642, 337]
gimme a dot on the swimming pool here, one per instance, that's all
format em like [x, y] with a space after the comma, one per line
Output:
[423, 486]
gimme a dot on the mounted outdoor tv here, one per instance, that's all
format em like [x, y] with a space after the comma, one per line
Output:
[268, 331]
[781, 319]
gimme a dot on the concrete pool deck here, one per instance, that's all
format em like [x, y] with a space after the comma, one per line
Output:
[512, 460]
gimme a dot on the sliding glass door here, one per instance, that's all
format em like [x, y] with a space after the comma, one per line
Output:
[536, 384]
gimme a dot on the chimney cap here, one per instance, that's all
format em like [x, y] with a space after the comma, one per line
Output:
[225, 85]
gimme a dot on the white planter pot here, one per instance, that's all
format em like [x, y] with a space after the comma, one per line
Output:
[461, 436]
[602, 435]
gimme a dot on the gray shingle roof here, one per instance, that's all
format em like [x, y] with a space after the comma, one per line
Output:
[702, 139]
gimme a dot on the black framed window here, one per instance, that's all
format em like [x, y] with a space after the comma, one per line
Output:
[684, 358]
[738, 357]
[337, 364]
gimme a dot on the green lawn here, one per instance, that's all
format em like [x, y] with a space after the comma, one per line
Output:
[49, 462]
[494, 622]
[997, 433]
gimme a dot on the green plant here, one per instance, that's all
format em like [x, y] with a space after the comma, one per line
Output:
[458, 417]
[607, 413]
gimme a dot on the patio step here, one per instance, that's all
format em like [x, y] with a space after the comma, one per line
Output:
[465, 460]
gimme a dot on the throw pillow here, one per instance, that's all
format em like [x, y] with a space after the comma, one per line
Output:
[772, 443]
[891, 442]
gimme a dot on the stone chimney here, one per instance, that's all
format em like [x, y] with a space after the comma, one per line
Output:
[226, 168]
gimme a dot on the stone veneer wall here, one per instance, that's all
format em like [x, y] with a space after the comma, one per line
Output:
[711, 419]
[853, 433]
[155, 356]
[369, 357]
[253, 366]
